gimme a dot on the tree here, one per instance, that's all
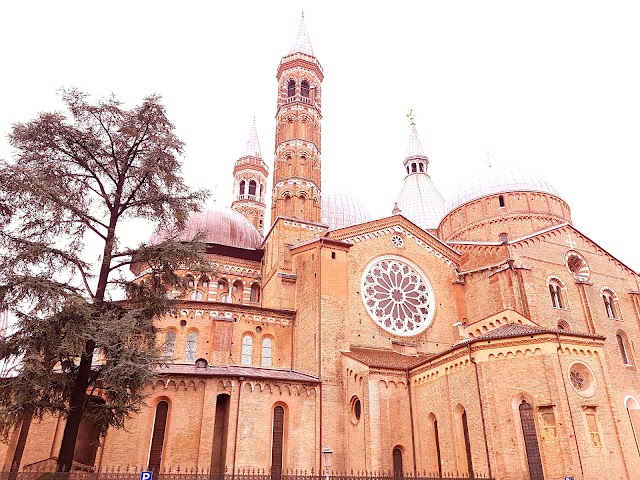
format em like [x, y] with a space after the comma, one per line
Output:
[76, 176]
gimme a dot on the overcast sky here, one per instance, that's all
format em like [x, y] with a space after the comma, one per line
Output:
[549, 86]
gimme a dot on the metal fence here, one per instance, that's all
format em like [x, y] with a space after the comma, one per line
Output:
[177, 473]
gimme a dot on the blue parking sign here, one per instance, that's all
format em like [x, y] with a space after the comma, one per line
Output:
[146, 475]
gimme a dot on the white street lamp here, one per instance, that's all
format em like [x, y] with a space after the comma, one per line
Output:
[326, 458]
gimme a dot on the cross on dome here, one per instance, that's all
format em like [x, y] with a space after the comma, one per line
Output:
[303, 42]
[253, 145]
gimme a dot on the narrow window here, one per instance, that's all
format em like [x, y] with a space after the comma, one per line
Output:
[501, 201]
[437, 440]
[190, 281]
[633, 411]
[267, 352]
[421, 167]
[333, 255]
[22, 441]
[623, 349]
[255, 290]
[203, 282]
[88, 439]
[238, 290]
[304, 88]
[247, 350]
[242, 185]
[277, 442]
[413, 168]
[592, 426]
[220, 431]
[192, 345]
[408, 172]
[467, 443]
[610, 304]
[157, 437]
[556, 296]
[169, 344]
[531, 441]
[291, 88]
[222, 285]
[397, 462]
[252, 187]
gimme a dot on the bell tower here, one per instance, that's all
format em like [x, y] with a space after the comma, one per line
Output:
[296, 175]
[250, 182]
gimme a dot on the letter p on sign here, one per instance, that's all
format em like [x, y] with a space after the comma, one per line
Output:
[146, 475]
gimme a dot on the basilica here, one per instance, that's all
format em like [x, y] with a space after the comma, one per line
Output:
[482, 334]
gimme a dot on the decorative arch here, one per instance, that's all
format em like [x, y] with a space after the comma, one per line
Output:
[624, 347]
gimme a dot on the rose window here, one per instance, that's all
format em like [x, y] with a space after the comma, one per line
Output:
[397, 241]
[397, 296]
[582, 379]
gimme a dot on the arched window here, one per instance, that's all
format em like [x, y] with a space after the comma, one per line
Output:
[530, 441]
[222, 285]
[169, 344]
[501, 201]
[255, 293]
[610, 304]
[267, 352]
[621, 338]
[421, 167]
[408, 172]
[252, 187]
[203, 282]
[247, 350]
[435, 446]
[556, 292]
[242, 185]
[21, 443]
[304, 88]
[467, 442]
[190, 281]
[157, 437]
[397, 462]
[277, 442]
[196, 295]
[191, 347]
[413, 168]
[504, 238]
[238, 291]
[291, 88]
[633, 411]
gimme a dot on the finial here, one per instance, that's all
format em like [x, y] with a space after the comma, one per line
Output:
[412, 117]
[396, 209]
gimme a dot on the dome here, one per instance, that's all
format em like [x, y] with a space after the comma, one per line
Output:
[222, 226]
[340, 210]
[420, 201]
[500, 181]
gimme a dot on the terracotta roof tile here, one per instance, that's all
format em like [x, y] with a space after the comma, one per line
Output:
[238, 371]
[382, 358]
[517, 330]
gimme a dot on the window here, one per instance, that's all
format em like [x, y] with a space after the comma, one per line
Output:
[242, 185]
[291, 88]
[190, 281]
[192, 345]
[610, 304]
[169, 344]
[548, 421]
[467, 442]
[413, 168]
[203, 282]
[255, 293]
[277, 442]
[504, 238]
[501, 201]
[267, 352]
[621, 338]
[252, 187]
[247, 350]
[196, 295]
[421, 167]
[238, 290]
[563, 325]
[592, 426]
[304, 88]
[222, 285]
[435, 451]
[157, 437]
[21, 443]
[356, 410]
[397, 462]
[557, 292]
[530, 441]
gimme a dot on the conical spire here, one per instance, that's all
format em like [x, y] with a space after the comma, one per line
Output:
[253, 145]
[415, 147]
[302, 43]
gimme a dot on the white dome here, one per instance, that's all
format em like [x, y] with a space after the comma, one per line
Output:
[420, 201]
[340, 210]
[500, 181]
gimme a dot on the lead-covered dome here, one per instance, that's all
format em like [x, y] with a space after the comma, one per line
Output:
[221, 226]
[339, 210]
[500, 181]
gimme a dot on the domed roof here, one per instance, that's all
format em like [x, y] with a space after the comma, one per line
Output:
[420, 201]
[340, 210]
[500, 181]
[221, 226]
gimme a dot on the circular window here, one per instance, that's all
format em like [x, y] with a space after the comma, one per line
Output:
[582, 379]
[397, 296]
[577, 266]
[397, 241]
[356, 409]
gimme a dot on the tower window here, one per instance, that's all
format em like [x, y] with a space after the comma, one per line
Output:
[304, 88]
[501, 201]
[252, 187]
[291, 88]
[421, 167]
[408, 172]
[242, 185]
[414, 168]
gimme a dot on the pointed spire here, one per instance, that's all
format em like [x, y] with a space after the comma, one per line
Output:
[253, 145]
[415, 147]
[302, 43]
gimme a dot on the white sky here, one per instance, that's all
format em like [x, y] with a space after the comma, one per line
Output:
[553, 87]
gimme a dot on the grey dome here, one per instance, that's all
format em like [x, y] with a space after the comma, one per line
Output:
[500, 181]
[340, 210]
[420, 201]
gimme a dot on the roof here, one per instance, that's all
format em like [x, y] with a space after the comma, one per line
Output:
[415, 147]
[303, 42]
[500, 181]
[221, 226]
[238, 371]
[420, 201]
[382, 358]
[518, 330]
[340, 210]
[253, 145]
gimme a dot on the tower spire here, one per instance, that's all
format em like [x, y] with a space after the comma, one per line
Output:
[415, 147]
[253, 145]
[303, 42]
